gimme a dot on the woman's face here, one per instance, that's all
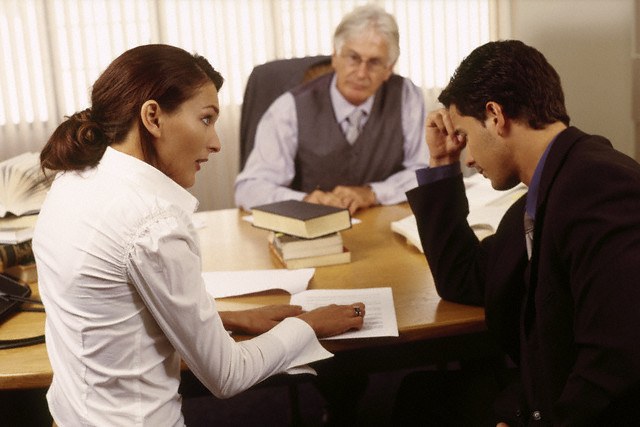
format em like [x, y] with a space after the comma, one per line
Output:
[188, 136]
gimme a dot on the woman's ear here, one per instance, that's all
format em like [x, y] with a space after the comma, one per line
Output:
[150, 116]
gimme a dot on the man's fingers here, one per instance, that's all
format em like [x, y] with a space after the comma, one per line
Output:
[440, 120]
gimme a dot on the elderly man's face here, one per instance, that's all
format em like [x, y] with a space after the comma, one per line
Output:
[362, 65]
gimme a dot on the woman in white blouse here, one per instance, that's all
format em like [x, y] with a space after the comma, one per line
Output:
[118, 258]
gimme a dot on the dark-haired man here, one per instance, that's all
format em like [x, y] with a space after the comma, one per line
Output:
[558, 280]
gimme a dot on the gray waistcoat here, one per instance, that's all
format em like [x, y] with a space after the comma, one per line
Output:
[325, 158]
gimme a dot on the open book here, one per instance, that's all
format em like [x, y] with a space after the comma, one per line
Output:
[486, 208]
[23, 186]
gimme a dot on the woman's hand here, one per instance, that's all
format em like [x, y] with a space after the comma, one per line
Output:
[335, 319]
[258, 320]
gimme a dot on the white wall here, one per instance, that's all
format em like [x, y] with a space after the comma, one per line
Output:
[589, 43]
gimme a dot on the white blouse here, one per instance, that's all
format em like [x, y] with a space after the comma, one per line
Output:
[119, 272]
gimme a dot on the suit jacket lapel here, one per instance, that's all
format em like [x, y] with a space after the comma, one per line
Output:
[555, 159]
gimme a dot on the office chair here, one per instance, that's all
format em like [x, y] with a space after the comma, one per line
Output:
[267, 82]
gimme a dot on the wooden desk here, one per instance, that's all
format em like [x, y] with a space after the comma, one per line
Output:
[380, 258]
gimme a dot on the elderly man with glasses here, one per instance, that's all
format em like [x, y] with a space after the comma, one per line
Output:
[351, 138]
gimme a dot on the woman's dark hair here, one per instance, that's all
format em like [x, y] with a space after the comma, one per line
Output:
[516, 76]
[166, 74]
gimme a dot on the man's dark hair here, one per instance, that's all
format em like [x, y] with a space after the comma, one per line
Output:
[516, 76]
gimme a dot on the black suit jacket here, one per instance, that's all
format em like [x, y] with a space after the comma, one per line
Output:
[569, 317]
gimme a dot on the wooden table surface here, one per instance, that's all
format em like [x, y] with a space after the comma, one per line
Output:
[380, 258]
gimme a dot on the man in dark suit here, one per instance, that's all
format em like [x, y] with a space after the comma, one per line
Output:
[559, 278]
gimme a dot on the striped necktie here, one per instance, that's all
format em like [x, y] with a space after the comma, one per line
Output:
[528, 232]
[353, 125]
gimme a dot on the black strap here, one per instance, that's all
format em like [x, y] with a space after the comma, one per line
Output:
[21, 342]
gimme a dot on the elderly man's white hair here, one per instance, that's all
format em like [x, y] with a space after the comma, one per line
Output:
[363, 18]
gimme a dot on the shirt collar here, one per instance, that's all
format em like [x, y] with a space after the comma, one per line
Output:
[341, 106]
[534, 186]
[147, 177]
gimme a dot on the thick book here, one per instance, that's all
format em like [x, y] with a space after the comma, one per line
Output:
[23, 186]
[23, 273]
[301, 219]
[17, 254]
[342, 257]
[298, 247]
[15, 230]
[13, 235]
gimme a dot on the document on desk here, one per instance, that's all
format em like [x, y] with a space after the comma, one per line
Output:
[379, 321]
[221, 284]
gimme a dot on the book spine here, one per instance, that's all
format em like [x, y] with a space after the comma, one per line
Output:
[20, 253]
[25, 273]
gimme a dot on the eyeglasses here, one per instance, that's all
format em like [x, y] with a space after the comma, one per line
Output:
[375, 65]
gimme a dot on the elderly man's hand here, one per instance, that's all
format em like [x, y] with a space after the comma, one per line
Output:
[355, 198]
[325, 198]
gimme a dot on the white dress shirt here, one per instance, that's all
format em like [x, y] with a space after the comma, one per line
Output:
[119, 272]
[270, 167]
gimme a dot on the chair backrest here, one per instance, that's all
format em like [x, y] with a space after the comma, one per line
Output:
[267, 82]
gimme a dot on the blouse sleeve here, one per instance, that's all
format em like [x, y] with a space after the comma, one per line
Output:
[164, 265]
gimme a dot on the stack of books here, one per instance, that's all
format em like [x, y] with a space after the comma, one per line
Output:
[304, 234]
[16, 255]
[16, 260]
[296, 252]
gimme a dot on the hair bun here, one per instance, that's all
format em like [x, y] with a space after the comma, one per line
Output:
[83, 116]
[87, 131]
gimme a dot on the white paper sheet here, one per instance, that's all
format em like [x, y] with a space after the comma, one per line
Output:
[222, 284]
[380, 319]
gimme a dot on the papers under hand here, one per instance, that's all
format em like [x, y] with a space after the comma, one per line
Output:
[221, 284]
[379, 321]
